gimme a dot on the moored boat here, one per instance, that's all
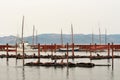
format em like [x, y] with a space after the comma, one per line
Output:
[53, 64]
[69, 49]
[88, 65]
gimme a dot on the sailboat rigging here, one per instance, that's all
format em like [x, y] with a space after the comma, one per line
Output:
[72, 40]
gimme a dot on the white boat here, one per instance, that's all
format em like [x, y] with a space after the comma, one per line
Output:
[27, 48]
[72, 40]
[69, 49]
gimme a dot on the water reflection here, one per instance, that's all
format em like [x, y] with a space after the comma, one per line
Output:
[38, 72]
[110, 72]
[67, 73]
[16, 72]
[112, 64]
[112, 75]
[7, 63]
[13, 67]
[23, 73]
[16, 62]
[7, 71]
[108, 60]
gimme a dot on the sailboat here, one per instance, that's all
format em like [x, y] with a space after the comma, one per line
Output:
[20, 45]
[99, 48]
[69, 48]
[27, 47]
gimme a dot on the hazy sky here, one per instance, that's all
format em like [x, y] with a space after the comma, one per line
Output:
[49, 16]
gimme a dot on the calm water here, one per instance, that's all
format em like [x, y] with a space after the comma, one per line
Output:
[13, 70]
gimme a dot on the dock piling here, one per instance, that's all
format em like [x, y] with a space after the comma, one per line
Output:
[108, 49]
[55, 47]
[112, 57]
[67, 52]
[95, 47]
[90, 51]
[51, 50]
[16, 50]
[39, 53]
[23, 54]
[72, 49]
[7, 51]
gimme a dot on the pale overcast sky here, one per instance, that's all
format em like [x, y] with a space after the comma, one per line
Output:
[49, 16]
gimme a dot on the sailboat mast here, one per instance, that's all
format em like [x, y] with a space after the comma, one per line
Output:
[92, 37]
[33, 34]
[22, 39]
[72, 40]
[72, 33]
[105, 36]
[36, 37]
[99, 36]
[22, 28]
[61, 38]
[17, 38]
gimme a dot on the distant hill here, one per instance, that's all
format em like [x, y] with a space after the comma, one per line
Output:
[56, 38]
[7, 39]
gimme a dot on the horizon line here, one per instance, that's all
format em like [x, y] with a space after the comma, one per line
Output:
[60, 34]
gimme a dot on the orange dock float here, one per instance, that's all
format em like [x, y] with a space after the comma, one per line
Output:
[55, 47]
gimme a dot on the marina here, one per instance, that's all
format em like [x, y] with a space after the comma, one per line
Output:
[93, 60]
[92, 54]
[59, 40]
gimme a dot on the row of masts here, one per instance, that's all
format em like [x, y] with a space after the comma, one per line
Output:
[72, 38]
[72, 35]
[34, 39]
[100, 39]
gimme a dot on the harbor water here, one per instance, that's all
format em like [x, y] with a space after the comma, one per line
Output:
[14, 70]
